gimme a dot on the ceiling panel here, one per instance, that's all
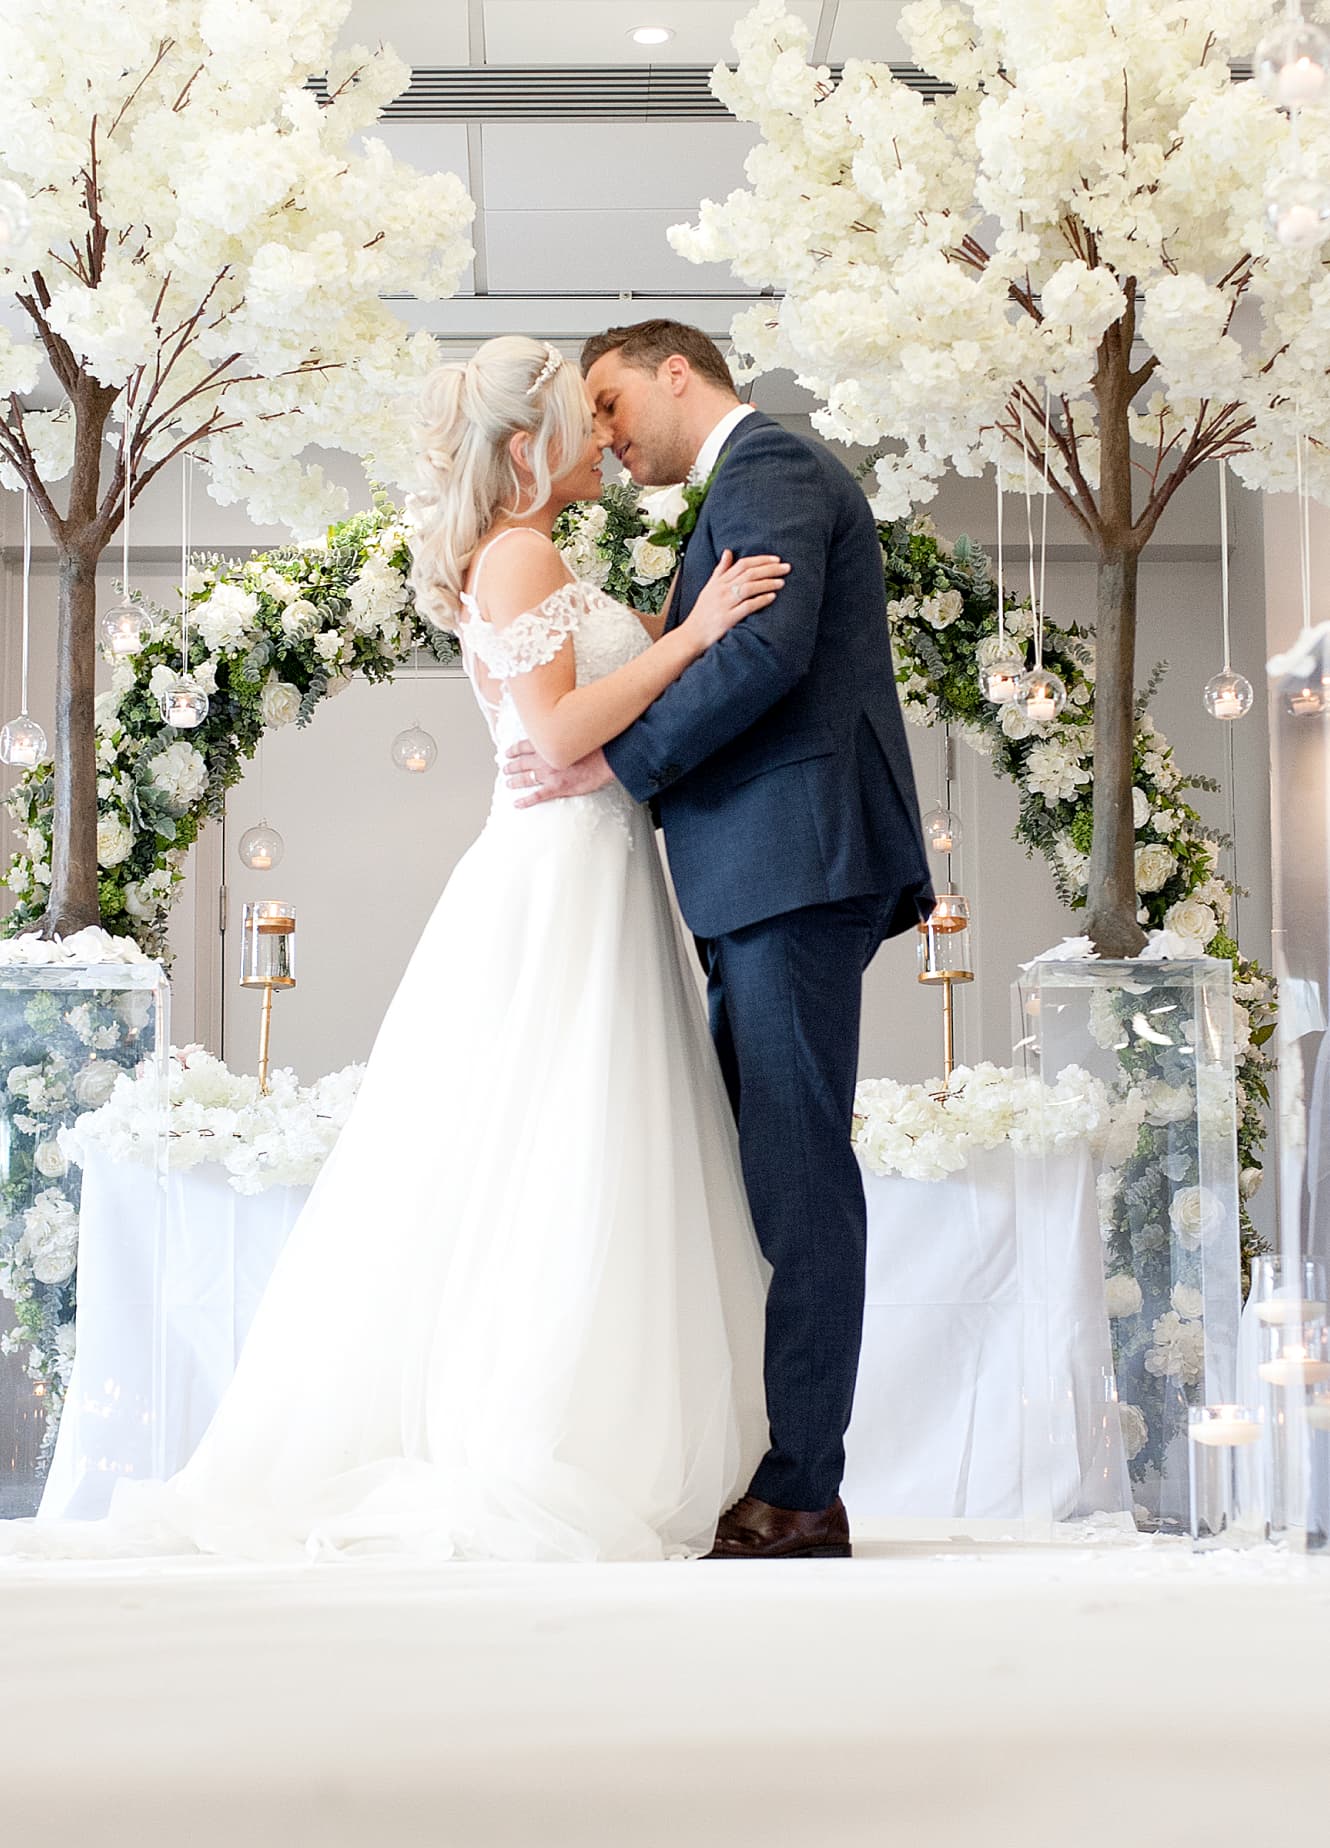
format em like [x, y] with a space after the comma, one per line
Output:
[556, 166]
[421, 31]
[552, 252]
[868, 29]
[597, 31]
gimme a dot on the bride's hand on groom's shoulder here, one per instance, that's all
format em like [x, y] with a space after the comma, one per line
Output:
[533, 780]
[735, 589]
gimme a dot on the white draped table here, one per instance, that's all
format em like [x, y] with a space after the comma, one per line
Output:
[981, 1390]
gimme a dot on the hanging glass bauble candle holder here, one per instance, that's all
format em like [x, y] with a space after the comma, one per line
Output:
[1292, 64]
[414, 750]
[22, 743]
[1228, 695]
[942, 830]
[1041, 695]
[1305, 700]
[1297, 207]
[1002, 678]
[261, 848]
[15, 217]
[184, 704]
[125, 629]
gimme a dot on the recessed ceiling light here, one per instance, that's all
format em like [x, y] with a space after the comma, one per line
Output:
[651, 35]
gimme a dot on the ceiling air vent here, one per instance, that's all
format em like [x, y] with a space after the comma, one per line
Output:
[570, 93]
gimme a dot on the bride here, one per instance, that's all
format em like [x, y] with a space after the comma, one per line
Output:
[520, 1316]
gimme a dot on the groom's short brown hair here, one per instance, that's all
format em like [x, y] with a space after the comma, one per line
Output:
[648, 344]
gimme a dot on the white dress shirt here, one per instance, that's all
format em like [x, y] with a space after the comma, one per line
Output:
[709, 453]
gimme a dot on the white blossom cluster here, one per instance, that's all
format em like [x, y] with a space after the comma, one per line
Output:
[280, 1138]
[1095, 160]
[927, 1132]
[248, 234]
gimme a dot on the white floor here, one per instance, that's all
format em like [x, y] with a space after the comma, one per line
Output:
[928, 1693]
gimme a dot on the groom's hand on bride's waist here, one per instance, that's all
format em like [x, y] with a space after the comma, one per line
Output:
[532, 780]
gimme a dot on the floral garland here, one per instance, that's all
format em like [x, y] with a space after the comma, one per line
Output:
[269, 639]
[277, 1138]
[925, 1132]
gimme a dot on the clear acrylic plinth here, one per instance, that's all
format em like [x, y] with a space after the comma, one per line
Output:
[68, 1033]
[1300, 737]
[1158, 1039]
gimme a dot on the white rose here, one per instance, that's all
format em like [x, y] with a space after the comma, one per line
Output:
[1135, 1431]
[1188, 1301]
[279, 702]
[650, 562]
[48, 1158]
[1154, 867]
[328, 645]
[1140, 809]
[95, 1083]
[1122, 1295]
[1190, 918]
[115, 841]
[1014, 723]
[1195, 1214]
[1249, 1181]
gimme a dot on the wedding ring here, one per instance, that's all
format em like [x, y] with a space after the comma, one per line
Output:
[738, 593]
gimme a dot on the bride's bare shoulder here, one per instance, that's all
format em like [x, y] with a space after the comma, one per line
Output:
[516, 570]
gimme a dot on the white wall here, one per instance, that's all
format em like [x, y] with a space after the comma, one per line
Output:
[368, 846]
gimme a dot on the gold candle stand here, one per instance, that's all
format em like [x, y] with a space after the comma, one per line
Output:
[267, 961]
[944, 960]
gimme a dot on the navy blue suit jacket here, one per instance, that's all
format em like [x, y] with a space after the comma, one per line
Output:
[778, 759]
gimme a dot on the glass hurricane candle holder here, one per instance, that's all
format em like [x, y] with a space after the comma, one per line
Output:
[184, 704]
[22, 743]
[1228, 696]
[1292, 64]
[1225, 1476]
[124, 630]
[261, 848]
[414, 750]
[1297, 209]
[942, 830]
[1041, 696]
[1002, 679]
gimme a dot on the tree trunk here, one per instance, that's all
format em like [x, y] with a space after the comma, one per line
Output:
[1112, 901]
[73, 902]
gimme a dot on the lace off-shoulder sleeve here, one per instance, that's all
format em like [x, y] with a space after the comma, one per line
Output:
[532, 639]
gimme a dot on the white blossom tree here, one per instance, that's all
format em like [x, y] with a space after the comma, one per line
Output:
[1083, 220]
[208, 246]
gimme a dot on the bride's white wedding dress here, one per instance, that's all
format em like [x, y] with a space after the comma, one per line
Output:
[521, 1314]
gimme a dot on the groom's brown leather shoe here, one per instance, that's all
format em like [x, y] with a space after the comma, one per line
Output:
[753, 1529]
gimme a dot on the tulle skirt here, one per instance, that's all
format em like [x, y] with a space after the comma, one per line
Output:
[521, 1314]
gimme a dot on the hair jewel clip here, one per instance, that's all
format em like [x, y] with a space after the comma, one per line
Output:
[551, 366]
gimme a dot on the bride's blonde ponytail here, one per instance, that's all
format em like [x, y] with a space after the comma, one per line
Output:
[469, 414]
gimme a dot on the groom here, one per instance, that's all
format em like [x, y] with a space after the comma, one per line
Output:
[782, 779]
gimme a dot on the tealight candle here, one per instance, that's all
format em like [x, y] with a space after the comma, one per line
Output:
[1222, 1431]
[1318, 1413]
[1294, 1367]
[1041, 708]
[1288, 1311]
[1227, 706]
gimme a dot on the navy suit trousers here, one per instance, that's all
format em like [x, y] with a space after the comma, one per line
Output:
[785, 997]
